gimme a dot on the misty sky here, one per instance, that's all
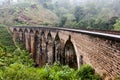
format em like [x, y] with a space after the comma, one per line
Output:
[5, 0]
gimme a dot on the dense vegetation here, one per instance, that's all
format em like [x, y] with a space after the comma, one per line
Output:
[26, 14]
[90, 14]
[84, 14]
[18, 66]
[6, 41]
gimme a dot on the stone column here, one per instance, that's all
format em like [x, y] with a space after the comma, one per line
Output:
[56, 45]
[32, 43]
[15, 35]
[49, 48]
[20, 36]
[27, 41]
[43, 53]
[36, 54]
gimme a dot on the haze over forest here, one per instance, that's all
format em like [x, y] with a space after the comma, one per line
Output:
[57, 53]
[90, 14]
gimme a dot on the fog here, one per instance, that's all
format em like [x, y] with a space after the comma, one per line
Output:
[88, 13]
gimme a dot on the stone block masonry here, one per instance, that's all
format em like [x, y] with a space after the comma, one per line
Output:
[72, 47]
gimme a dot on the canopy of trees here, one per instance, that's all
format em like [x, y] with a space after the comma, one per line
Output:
[87, 14]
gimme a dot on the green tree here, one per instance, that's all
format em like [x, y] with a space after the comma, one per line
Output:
[63, 21]
[86, 72]
[111, 23]
[117, 25]
[79, 13]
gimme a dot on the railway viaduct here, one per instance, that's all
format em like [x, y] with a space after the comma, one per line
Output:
[72, 47]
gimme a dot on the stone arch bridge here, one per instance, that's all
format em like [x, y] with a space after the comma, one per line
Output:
[73, 47]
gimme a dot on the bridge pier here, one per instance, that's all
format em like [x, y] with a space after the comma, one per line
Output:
[49, 48]
[56, 47]
[20, 35]
[32, 42]
[15, 35]
[27, 40]
[37, 49]
[70, 54]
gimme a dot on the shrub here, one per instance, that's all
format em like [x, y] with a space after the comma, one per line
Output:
[86, 72]
[18, 66]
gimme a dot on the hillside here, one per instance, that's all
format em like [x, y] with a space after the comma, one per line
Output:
[26, 14]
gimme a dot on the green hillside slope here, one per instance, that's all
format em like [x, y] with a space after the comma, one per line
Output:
[28, 14]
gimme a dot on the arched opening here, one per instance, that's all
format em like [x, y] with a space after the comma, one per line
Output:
[49, 46]
[42, 41]
[14, 30]
[36, 54]
[32, 42]
[15, 36]
[49, 36]
[26, 31]
[31, 31]
[15, 33]
[43, 36]
[20, 30]
[27, 40]
[20, 35]
[70, 54]
[43, 47]
[56, 48]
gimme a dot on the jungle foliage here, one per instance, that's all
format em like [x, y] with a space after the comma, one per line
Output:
[87, 14]
[19, 66]
[6, 41]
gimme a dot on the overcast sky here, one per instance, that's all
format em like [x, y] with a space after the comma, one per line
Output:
[5, 0]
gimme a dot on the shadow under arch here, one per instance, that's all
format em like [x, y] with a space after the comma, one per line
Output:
[31, 31]
[70, 54]
[20, 30]
[36, 48]
[49, 36]
[49, 48]
[43, 36]
[14, 30]
[26, 31]
[21, 35]
[56, 51]
[32, 42]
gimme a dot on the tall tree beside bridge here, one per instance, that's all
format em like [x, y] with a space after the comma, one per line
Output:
[79, 13]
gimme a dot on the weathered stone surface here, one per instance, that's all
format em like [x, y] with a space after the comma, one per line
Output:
[51, 45]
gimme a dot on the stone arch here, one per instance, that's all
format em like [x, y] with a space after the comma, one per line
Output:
[32, 42]
[31, 31]
[49, 46]
[43, 35]
[20, 30]
[26, 30]
[70, 54]
[36, 54]
[21, 35]
[56, 48]
[49, 36]
[14, 30]
[27, 39]
[43, 46]
[15, 35]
